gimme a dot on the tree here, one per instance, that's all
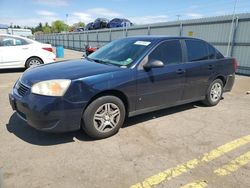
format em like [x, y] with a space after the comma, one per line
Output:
[81, 24]
[17, 26]
[46, 28]
[39, 27]
[59, 26]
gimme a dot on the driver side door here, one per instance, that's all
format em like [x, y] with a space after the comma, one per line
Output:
[161, 87]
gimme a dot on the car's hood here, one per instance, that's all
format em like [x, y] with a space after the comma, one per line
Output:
[74, 69]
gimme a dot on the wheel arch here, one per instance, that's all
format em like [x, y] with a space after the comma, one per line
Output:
[222, 78]
[117, 93]
[33, 57]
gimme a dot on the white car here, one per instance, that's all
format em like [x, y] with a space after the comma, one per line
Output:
[17, 52]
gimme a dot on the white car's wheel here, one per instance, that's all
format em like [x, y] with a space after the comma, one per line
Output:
[33, 61]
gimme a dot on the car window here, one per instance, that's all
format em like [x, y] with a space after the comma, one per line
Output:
[196, 50]
[219, 55]
[168, 52]
[116, 20]
[12, 41]
[121, 52]
[211, 52]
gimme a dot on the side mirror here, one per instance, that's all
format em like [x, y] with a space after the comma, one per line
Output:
[153, 64]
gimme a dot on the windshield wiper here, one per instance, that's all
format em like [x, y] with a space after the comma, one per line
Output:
[103, 61]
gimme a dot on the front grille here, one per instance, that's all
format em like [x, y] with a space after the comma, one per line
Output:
[21, 89]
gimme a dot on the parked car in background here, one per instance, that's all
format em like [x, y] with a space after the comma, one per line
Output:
[119, 22]
[89, 49]
[89, 26]
[79, 29]
[17, 52]
[124, 78]
[100, 23]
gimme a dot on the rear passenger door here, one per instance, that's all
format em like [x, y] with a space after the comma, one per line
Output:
[161, 86]
[199, 66]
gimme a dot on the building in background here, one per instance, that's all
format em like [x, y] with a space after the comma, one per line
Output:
[3, 29]
[20, 32]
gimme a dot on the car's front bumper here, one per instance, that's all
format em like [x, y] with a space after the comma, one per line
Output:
[50, 114]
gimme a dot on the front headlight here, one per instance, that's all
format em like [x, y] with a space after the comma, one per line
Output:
[51, 87]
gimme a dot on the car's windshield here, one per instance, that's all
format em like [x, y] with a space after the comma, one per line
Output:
[122, 52]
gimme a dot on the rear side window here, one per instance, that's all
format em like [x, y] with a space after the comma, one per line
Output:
[168, 52]
[211, 52]
[196, 50]
[219, 55]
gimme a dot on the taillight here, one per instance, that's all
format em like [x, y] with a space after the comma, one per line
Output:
[48, 49]
[235, 64]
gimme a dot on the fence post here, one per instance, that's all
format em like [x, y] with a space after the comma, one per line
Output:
[97, 38]
[234, 35]
[231, 35]
[67, 39]
[181, 28]
[73, 36]
[80, 45]
[149, 30]
[110, 35]
[88, 38]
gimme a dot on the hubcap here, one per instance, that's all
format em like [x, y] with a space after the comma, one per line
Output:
[106, 117]
[34, 62]
[215, 93]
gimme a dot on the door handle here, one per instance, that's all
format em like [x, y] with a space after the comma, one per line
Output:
[25, 48]
[180, 71]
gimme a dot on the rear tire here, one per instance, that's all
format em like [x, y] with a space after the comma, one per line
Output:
[103, 117]
[33, 61]
[214, 93]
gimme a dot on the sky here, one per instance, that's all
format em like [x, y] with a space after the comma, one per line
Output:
[31, 12]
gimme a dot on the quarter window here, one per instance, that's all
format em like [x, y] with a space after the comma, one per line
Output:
[196, 50]
[168, 52]
[211, 52]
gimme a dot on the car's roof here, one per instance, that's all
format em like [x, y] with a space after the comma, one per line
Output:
[20, 37]
[8, 35]
[159, 37]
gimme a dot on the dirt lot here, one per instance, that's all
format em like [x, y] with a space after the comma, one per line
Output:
[189, 146]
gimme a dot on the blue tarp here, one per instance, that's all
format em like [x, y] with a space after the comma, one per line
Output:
[2, 26]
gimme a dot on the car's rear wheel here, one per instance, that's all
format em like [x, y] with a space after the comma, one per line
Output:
[214, 93]
[33, 61]
[104, 117]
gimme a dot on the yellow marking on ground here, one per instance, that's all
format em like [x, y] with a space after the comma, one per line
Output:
[197, 184]
[233, 165]
[183, 168]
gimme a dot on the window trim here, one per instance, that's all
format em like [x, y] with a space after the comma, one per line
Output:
[186, 50]
[142, 62]
[16, 38]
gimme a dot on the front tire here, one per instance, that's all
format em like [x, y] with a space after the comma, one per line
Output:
[104, 117]
[214, 93]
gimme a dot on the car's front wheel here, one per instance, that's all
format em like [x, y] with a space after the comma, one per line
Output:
[104, 117]
[33, 61]
[214, 93]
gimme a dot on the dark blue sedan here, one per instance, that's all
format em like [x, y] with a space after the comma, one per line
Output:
[125, 78]
[119, 22]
